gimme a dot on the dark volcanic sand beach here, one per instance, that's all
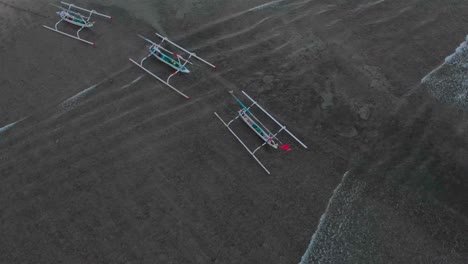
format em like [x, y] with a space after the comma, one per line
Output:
[100, 163]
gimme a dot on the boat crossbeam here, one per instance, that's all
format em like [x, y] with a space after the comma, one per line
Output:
[84, 9]
[276, 121]
[268, 137]
[193, 54]
[233, 120]
[243, 144]
[259, 147]
[181, 67]
[83, 18]
[158, 78]
[142, 60]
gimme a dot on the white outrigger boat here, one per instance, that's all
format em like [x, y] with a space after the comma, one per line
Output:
[75, 18]
[170, 58]
[268, 137]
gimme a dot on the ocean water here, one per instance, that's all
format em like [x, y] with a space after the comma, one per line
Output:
[449, 81]
[405, 206]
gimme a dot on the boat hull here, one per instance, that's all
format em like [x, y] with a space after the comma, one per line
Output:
[265, 137]
[74, 20]
[168, 60]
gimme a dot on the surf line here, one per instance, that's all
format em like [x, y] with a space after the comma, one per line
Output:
[306, 258]
[265, 5]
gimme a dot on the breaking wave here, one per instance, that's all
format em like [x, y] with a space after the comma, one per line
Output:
[449, 81]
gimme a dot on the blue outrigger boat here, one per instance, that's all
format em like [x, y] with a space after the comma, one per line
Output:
[168, 60]
[75, 18]
[268, 137]
[172, 59]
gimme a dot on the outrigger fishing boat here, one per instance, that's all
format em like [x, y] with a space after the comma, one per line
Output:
[175, 64]
[75, 18]
[268, 137]
[170, 58]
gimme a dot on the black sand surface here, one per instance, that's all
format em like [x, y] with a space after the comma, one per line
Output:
[106, 165]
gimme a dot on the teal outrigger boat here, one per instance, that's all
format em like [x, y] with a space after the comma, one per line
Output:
[168, 60]
[268, 137]
[172, 59]
[75, 18]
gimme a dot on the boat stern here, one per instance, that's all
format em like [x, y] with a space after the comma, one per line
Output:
[184, 70]
[273, 143]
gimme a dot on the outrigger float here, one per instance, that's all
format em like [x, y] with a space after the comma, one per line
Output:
[75, 18]
[170, 58]
[268, 137]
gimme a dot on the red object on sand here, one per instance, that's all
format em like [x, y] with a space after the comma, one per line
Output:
[286, 147]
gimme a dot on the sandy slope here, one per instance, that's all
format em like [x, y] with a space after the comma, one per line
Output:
[139, 174]
[106, 170]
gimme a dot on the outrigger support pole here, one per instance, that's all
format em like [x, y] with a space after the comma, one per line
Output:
[70, 6]
[83, 9]
[180, 59]
[68, 35]
[276, 121]
[155, 76]
[192, 54]
[243, 144]
[182, 66]
[162, 48]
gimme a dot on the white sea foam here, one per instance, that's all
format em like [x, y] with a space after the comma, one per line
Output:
[72, 101]
[322, 226]
[9, 126]
[449, 81]
[5, 128]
